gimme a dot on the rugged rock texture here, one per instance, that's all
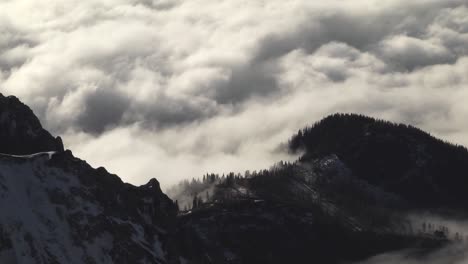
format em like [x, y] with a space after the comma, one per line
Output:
[21, 132]
[55, 208]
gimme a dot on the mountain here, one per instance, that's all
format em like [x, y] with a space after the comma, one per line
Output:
[58, 209]
[21, 132]
[295, 212]
[398, 158]
[344, 200]
[347, 197]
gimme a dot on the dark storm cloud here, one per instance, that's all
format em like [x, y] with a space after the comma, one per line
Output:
[366, 33]
[13, 44]
[256, 79]
[371, 33]
[104, 109]
[406, 53]
[168, 112]
[158, 4]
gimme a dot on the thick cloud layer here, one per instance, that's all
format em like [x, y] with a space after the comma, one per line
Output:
[173, 89]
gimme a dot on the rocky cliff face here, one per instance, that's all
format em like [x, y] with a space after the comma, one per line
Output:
[58, 209]
[21, 132]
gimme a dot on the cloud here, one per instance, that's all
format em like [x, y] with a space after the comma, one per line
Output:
[409, 53]
[173, 89]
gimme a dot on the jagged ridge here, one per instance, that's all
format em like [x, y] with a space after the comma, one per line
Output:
[56, 208]
[21, 133]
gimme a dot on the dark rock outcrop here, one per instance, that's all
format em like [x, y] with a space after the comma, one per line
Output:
[21, 132]
[56, 208]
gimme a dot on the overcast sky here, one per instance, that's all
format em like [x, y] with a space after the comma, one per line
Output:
[175, 88]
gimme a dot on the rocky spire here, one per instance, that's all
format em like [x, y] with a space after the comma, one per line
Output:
[21, 131]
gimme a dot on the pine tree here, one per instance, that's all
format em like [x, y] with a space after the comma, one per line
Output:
[195, 202]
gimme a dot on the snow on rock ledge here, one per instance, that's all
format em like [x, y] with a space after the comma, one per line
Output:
[58, 209]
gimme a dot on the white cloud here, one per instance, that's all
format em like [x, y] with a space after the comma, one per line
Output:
[172, 89]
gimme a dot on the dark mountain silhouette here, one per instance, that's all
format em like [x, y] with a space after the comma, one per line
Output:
[294, 212]
[21, 132]
[347, 197]
[398, 158]
[55, 208]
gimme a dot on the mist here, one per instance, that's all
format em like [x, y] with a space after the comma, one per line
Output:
[453, 252]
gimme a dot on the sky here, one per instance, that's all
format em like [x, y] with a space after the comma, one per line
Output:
[173, 89]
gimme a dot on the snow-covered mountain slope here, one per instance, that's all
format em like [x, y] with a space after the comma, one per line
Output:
[55, 208]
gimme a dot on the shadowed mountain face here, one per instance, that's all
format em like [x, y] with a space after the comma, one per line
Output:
[347, 198]
[58, 209]
[299, 212]
[398, 158]
[21, 132]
